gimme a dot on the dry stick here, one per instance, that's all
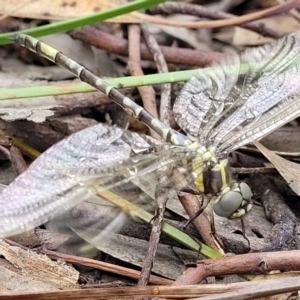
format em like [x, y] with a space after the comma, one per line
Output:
[153, 242]
[115, 45]
[5, 140]
[255, 290]
[162, 67]
[161, 196]
[258, 170]
[102, 266]
[67, 104]
[134, 67]
[13, 154]
[17, 160]
[148, 96]
[192, 206]
[278, 9]
[255, 263]
[233, 291]
[201, 11]
[283, 233]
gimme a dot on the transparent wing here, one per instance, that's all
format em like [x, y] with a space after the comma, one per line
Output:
[67, 173]
[279, 115]
[267, 82]
[205, 97]
[274, 73]
[48, 186]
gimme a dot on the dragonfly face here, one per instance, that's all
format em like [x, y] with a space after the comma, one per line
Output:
[234, 201]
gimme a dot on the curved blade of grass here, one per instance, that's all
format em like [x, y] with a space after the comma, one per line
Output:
[79, 22]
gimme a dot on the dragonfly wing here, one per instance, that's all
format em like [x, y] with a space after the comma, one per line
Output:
[98, 158]
[54, 181]
[281, 114]
[205, 96]
[267, 81]
[271, 80]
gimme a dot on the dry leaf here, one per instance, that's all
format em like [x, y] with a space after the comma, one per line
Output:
[36, 109]
[289, 171]
[188, 35]
[29, 271]
[61, 9]
[13, 74]
[120, 246]
[281, 23]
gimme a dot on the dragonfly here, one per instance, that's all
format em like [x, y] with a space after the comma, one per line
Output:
[235, 102]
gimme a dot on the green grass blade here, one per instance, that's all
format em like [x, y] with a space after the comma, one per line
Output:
[171, 231]
[79, 22]
[63, 88]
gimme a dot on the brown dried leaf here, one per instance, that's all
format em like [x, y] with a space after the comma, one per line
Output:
[289, 171]
[29, 271]
[281, 23]
[121, 247]
[61, 9]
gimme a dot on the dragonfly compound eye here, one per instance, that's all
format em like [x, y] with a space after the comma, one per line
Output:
[245, 191]
[228, 204]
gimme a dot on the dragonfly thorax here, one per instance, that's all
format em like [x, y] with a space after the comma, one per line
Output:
[204, 165]
[212, 178]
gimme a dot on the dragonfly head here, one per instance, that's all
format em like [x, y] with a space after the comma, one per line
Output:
[234, 201]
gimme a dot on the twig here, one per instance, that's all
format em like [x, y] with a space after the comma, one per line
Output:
[13, 154]
[5, 152]
[201, 11]
[161, 199]
[233, 291]
[278, 9]
[192, 206]
[255, 263]
[282, 235]
[119, 46]
[258, 170]
[17, 160]
[102, 266]
[134, 67]
[158, 57]
[293, 12]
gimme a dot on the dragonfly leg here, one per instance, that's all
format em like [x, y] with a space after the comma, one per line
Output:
[205, 202]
